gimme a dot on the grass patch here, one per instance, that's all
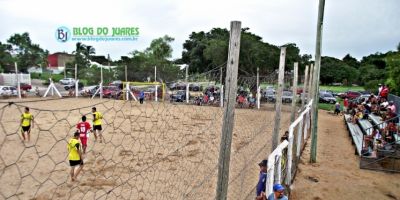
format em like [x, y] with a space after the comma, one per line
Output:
[338, 89]
[326, 106]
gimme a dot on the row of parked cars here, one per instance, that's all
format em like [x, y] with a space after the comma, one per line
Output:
[6, 90]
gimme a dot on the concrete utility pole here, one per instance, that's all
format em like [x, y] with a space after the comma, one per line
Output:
[126, 73]
[314, 128]
[278, 102]
[229, 111]
[258, 89]
[187, 84]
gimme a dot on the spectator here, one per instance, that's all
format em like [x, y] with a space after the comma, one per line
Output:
[346, 105]
[357, 116]
[285, 136]
[278, 193]
[384, 92]
[260, 190]
[337, 108]
[380, 88]
[141, 96]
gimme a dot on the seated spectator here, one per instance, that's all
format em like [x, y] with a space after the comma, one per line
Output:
[278, 193]
[285, 136]
[262, 180]
[357, 116]
[241, 101]
[391, 129]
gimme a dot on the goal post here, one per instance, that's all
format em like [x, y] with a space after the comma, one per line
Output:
[152, 90]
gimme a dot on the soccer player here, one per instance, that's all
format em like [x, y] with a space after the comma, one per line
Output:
[97, 117]
[83, 128]
[26, 124]
[75, 156]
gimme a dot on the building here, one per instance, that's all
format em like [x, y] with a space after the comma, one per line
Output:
[59, 59]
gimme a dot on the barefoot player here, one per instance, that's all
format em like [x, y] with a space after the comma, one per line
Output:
[83, 128]
[26, 124]
[75, 156]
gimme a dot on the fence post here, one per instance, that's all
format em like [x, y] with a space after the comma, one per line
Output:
[229, 111]
[187, 84]
[275, 135]
[310, 80]
[314, 123]
[305, 83]
[294, 95]
[18, 82]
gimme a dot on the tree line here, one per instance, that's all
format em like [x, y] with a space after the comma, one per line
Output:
[204, 51]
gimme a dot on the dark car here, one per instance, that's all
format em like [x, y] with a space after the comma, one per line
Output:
[111, 92]
[179, 96]
[25, 86]
[327, 98]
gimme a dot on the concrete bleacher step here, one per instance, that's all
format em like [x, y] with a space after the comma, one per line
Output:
[355, 132]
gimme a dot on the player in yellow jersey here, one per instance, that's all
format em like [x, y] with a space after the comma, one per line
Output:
[75, 156]
[26, 124]
[97, 117]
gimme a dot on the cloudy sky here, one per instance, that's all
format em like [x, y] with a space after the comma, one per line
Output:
[358, 27]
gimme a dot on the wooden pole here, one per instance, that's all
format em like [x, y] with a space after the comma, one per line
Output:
[305, 84]
[155, 80]
[76, 71]
[229, 111]
[187, 84]
[18, 82]
[314, 129]
[258, 88]
[126, 73]
[278, 104]
[310, 81]
[294, 95]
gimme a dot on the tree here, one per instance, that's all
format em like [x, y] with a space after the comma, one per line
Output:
[27, 53]
[393, 80]
[351, 61]
[6, 60]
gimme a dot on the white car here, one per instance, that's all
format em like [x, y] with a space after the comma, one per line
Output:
[67, 81]
[8, 90]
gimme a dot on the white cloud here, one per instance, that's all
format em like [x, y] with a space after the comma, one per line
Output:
[348, 26]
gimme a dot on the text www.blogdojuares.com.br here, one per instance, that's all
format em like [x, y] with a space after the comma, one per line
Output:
[104, 38]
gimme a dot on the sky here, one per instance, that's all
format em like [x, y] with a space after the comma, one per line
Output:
[356, 27]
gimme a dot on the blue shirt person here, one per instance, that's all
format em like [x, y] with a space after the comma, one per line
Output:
[260, 190]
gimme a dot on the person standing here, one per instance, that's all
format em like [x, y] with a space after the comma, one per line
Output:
[26, 124]
[97, 118]
[262, 180]
[75, 156]
[141, 96]
[278, 193]
[346, 105]
[83, 128]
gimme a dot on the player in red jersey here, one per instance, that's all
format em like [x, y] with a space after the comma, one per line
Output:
[83, 128]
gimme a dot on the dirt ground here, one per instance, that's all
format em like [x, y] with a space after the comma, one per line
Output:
[337, 175]
[152, 151]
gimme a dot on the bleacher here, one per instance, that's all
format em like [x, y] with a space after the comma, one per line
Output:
[355, 133]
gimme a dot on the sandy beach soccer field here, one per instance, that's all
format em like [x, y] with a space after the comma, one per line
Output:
[152, 151]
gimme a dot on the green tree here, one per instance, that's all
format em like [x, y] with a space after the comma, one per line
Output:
[393, 80]
[27, 53]
[6, 60]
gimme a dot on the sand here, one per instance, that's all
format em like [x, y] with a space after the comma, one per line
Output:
[152, 151]
[337, 175]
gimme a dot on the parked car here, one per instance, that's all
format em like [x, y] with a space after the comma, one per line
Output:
[111, 92]
[67, 81]
[72, 86]
[89, 90]
[287, 96]
[327, 98]
[350, 95]
[25, 86]
[270, 96]
[8, 90]
[179, 96]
